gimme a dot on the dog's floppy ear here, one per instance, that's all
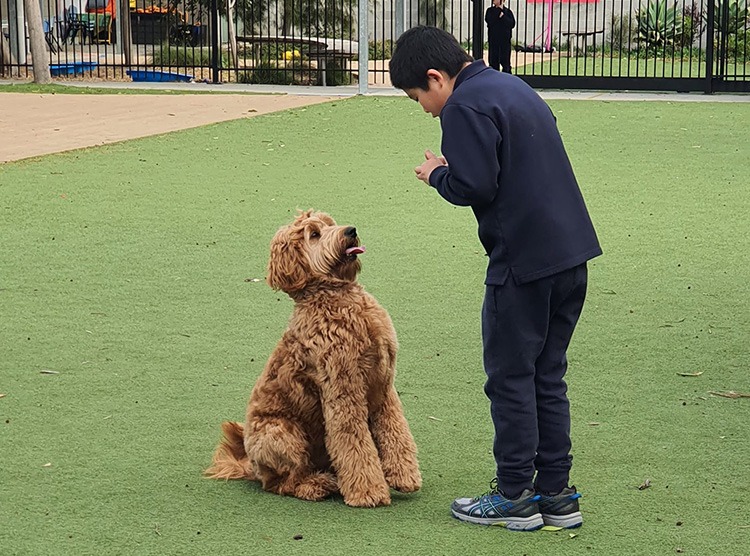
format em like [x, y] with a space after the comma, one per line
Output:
[286, 271]
[302, 215]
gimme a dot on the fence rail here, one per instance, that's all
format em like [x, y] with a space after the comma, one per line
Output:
[696, 45]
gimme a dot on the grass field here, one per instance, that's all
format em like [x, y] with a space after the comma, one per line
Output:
[604, 65]
[129, 270]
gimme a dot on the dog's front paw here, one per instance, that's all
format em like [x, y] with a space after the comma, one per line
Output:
[405, 480]
[376, 496]
[316, 487]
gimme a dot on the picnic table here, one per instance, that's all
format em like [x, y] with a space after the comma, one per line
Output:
[579, 40]
[320, 49]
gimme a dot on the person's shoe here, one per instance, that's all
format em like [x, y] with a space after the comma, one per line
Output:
[561, 509]
[492, 508]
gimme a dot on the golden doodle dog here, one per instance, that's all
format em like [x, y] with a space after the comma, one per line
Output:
[324, 416]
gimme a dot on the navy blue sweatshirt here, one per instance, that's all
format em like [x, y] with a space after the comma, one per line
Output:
[499, 27]
[506, 160]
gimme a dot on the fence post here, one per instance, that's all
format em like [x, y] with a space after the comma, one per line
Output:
[364, 47]
[17, 32]
[215, 43]
[477, 31]
[710, 30]
[399, 19]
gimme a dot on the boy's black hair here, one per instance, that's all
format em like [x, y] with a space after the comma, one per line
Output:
[423, 48]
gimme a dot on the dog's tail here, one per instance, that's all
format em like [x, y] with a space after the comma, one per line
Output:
[230, 459]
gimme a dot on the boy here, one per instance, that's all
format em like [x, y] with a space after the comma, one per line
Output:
[500, 23]
[504, 157]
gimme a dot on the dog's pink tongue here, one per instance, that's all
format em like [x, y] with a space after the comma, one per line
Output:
[356, 250]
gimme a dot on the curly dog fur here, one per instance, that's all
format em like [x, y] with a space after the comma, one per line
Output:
[324, 416]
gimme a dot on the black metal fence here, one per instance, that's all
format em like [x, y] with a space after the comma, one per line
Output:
[688, 45]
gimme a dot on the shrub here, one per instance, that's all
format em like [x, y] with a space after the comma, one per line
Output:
[738, 46]
[185, 56]
[622, 31]
[692, 25]
[336, 72]
[380, 50]
[658, 24]
[737, 15]
[273, 72]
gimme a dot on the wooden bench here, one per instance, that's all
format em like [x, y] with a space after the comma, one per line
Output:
[580, 40]
[318, 49]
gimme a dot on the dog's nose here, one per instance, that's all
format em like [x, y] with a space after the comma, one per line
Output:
[351, 231]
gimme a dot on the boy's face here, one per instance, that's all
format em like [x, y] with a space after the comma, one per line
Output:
[439, 88]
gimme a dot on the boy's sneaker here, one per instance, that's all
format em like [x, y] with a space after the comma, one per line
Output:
[561, 510]
[492, 508]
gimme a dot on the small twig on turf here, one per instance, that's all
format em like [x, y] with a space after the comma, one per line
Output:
[731, 394]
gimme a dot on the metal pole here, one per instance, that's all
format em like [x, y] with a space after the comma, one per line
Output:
[364, 47]
[17, 31]
[215, 44]
[477, 41]
[710, 29]
[399, 19]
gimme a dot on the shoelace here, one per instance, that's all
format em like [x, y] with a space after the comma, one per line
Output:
[493, 490]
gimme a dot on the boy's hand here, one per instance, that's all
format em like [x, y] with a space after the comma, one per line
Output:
[425, 169]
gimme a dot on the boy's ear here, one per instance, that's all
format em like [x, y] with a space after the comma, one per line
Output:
[434, 74]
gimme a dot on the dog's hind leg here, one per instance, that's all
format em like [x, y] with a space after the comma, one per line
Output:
[281, 456]
[398, 452]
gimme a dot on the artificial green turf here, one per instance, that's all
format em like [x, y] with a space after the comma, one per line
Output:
[129, 270]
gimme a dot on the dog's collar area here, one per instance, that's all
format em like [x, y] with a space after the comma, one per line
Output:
[316, 290]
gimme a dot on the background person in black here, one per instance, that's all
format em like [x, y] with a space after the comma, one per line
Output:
[500, 21]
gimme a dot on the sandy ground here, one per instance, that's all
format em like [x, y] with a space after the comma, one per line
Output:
[33, 125]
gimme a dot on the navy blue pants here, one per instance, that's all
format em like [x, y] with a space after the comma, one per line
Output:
[526, 330]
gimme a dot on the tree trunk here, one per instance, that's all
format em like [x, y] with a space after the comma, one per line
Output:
[36, 39]
[6, 54]
[126, 33]
[232, 37]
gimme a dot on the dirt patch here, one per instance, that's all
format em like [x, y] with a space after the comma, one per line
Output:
[33, 125]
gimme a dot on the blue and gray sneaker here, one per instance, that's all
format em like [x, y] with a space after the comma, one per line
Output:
[492, 508]
[561, 510]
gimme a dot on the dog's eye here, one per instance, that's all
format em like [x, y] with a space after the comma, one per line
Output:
[314, 234]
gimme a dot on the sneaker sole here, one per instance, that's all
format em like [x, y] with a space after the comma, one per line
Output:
[531, 523]
[567, 521]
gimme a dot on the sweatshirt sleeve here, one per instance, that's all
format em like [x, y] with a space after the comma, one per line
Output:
[470, 144]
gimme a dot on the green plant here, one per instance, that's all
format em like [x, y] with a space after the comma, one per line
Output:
[735, 13]
[337, 73]
[733, 19]
[738, 46]
[658, 24]
[185, 56]
[380, 50]
[315, 18]
[622, 31]
[693, 23]
[278, 72]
